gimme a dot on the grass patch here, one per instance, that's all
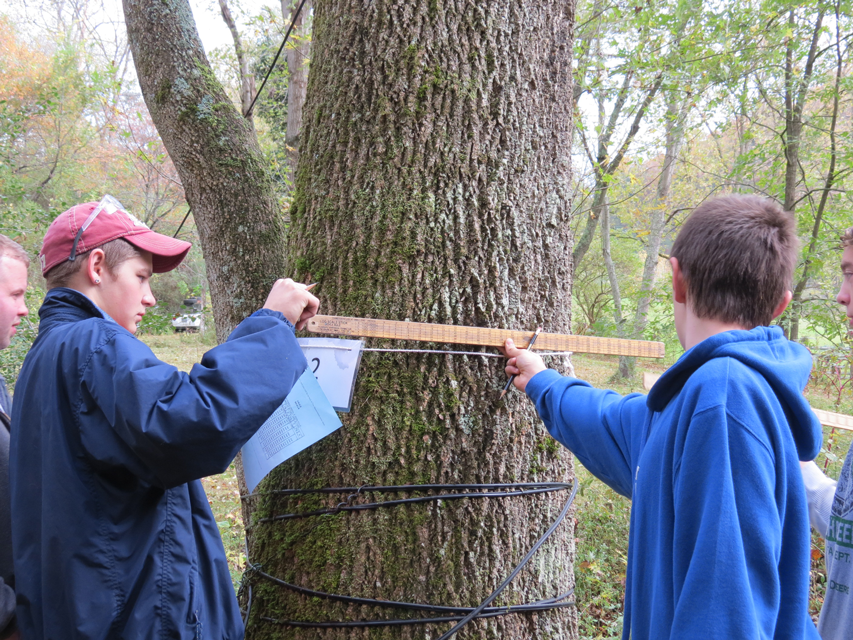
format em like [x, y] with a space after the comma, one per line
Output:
[601, 560]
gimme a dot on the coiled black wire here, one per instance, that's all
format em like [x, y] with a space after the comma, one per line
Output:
[460, 615]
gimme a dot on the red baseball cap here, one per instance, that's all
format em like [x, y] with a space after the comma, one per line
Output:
[87, 226]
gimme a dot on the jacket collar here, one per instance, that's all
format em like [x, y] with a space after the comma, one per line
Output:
[66, 305]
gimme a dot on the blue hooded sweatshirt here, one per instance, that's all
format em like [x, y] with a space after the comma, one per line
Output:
[719, 540]
[112, 534]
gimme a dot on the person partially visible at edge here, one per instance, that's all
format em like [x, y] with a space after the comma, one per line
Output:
[719, 536]
[14, 263]
[112, 533]
[831, 504]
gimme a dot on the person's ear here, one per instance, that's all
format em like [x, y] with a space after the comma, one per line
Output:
[679, 286]
[96, 266]
[780, 308]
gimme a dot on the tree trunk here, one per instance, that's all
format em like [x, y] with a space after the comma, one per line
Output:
[618, 317]
[606, 166]
[796, 90]
[297, 69]
[247, 80]
[799, 289]
[433, 186]
[216, 154]
[675, 117]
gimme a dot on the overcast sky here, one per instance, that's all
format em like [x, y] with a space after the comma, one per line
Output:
[109, 16]
[211, 27]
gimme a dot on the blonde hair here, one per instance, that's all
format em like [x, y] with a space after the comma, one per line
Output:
[115, 252]
[10, 248]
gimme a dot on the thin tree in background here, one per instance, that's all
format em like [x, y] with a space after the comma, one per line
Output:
[298, 55]
[247, 80]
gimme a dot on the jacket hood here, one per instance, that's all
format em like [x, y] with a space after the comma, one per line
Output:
[784, 364]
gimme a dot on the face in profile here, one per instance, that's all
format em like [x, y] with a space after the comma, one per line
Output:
[125, 295]
[845, 294]
[13, 307]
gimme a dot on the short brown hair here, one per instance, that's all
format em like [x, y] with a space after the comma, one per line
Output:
[10, 248]
[847, 238]
[115, 252]
[737, 255]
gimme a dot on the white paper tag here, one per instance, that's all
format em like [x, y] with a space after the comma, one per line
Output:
[335, 365]
[303, 418]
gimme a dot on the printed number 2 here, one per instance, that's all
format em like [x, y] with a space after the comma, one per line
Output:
[316, 366]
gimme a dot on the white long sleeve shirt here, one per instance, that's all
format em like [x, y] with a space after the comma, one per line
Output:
[820, 491]
[831, 513]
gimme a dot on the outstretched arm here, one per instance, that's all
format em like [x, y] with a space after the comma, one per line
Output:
[600, 427]
[169, 427]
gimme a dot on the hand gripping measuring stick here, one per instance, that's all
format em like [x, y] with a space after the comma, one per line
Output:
[529, 345]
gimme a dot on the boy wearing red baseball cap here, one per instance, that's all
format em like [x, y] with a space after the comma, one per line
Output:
[112, 532]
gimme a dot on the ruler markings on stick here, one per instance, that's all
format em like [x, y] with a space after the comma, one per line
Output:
[452, 334]
[831, 419]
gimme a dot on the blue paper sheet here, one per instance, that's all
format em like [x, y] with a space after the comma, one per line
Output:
[304, 417]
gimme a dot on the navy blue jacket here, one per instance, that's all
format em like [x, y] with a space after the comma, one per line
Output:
[113, 535]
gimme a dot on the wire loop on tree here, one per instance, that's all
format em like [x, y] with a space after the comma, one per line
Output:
[460, 615]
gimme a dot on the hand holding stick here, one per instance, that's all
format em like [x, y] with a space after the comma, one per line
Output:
[529, 346]
[293, 301]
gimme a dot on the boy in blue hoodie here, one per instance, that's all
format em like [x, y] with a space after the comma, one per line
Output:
[719, 537]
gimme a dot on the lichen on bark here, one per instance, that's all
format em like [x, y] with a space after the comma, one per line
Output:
[217, 155]
[433, 186]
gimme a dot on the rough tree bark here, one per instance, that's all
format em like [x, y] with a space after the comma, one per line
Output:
[216, 154]
[433, 186]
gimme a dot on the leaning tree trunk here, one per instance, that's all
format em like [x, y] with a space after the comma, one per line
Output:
[216, 154]
[433, 186]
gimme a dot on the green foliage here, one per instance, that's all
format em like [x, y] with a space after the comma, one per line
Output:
[661, 327]
[725, 65]
[70, 132]
[601, 559]
[832, 376]
[157, 320]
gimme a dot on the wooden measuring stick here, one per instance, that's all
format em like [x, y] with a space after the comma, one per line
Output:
[447, 333]
[836, 420]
